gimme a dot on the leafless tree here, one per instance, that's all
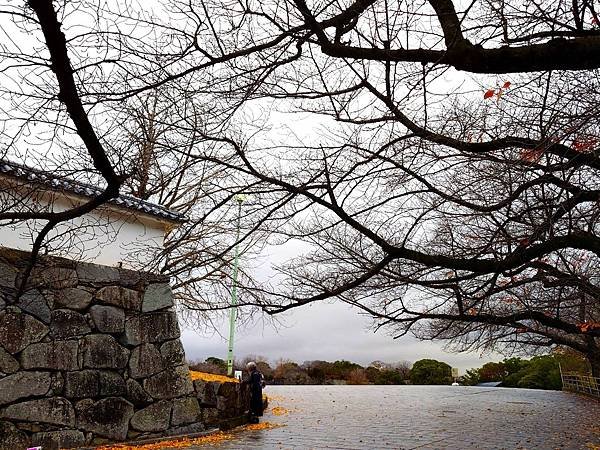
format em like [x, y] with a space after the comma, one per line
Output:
[450, 189]
[403, 368]
[448, 205]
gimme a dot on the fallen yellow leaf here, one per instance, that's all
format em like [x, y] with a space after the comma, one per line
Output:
[214, 438]
[212, 377]
[280, 411]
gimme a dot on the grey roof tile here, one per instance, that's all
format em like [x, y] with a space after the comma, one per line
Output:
[50, 180]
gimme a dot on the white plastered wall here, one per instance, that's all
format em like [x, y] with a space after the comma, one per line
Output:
[110, 235]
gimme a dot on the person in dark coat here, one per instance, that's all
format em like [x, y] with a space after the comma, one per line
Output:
[255, 381]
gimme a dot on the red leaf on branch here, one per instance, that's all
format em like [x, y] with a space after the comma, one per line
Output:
[531, 155]
[524, 242]
[588, 326]
[506, 85]
[584, 144]
[489, 93]
[521, 330]
[594, 21]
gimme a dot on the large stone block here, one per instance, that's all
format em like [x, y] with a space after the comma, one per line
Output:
[56, 355]
[7, 297]
[193, 428]
[185, 410]
[242, 393]
[226, 405]
[171, 383]
[151, 327]
[210, 416]
[120, 296]
[227, 389]
[157, 296]
[57, 384]
[108, 319]
[11, 438]
[155, 417]
[206, 392]
[111, 384]
[59, 439]
[54, 411]
[18, 330]
[108, 417]
[8, 275]
[72, 298]
[130, 278]
[172, 353]
[136, 393]
[81, 384]
[66, 323]
[54, 277]
[145, 360]
[8, 364]
[33, 302]
[102, 351]
[93, 273]
[23, 385]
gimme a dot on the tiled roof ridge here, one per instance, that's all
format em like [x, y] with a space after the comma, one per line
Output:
[45, 178]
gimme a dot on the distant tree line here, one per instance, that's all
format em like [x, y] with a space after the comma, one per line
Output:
[539, 372]
[286, 371]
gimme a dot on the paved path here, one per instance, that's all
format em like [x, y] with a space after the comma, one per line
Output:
[425, 417]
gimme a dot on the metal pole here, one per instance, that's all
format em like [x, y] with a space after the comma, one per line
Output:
[233, 310]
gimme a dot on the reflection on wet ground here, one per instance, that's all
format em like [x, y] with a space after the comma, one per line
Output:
[422, 417]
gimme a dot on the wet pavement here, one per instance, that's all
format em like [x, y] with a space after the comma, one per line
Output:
[423, 417]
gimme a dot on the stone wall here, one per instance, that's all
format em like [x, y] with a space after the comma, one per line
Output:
[222, 403]
[91, 354]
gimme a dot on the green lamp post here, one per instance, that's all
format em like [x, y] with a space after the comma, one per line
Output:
[233, 311]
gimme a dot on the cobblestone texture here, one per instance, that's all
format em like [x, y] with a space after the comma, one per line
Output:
[425, 417]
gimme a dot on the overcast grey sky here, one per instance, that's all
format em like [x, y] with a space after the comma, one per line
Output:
[326, 331]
